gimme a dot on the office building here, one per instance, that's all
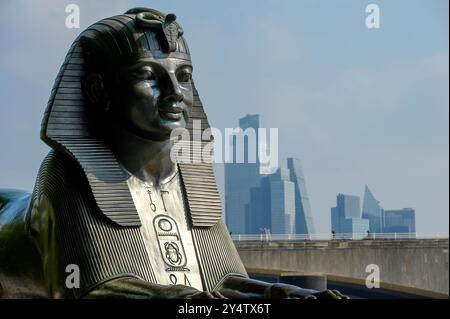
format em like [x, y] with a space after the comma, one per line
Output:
[303, 216]
[372, 211]
[240, 178]
[258, 218]
[346, 216]
[282, 202]
[400, 221]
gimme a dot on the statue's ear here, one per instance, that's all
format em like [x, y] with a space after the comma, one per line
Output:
[95, 91]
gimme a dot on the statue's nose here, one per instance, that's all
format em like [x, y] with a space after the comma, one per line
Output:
[174, 91]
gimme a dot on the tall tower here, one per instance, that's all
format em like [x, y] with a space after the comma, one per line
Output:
[303, 216]
[372, 211]
[259, 219]
[282, 202]
[240, 178]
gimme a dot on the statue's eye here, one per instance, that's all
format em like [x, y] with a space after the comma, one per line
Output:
[184, 76]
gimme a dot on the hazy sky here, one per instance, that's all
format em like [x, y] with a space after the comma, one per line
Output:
[357, 106]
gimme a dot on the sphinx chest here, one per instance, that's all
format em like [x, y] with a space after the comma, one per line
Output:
[166, 231]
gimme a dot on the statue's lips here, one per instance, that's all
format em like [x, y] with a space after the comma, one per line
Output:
[171, 113]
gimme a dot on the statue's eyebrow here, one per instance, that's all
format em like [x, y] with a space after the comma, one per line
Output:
[138, 65]
[185, 65]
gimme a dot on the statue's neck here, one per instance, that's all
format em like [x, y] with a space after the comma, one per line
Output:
[146, 159]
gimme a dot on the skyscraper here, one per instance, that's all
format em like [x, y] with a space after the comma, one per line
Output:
[259, 210]
[346, 216]
[240, 178]
[303, 216]
[282, 202]
[348, 206]
[400, 221]
[372, 211]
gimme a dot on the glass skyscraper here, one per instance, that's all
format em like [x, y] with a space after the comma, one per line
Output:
[348, 206]
[303, 216]
[259, 216]
[346, 216]
[400, 221]
[240, 178]
[372, 211]
[282, 202]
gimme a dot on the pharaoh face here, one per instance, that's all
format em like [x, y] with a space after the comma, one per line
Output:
[153, 96]
[139, 74]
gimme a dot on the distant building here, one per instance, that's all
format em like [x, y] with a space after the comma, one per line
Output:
[400, 221]
[346, 216]
[258, 218]
[354, 225]
[372, 211]
[282, 202]
[303, 216]
[348, 206]
[240, 178]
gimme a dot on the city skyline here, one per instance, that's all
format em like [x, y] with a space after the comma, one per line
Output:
[347, 217]
[278, 203]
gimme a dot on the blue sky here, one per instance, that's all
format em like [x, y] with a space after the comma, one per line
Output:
[357, 106]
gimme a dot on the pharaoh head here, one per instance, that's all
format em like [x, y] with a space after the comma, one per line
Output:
[138, 73]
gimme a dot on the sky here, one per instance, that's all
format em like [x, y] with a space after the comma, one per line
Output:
[358, 106]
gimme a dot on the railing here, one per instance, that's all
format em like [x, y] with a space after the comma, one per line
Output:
[352, 236]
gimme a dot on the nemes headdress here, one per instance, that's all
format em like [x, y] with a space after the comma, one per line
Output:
[138, 33]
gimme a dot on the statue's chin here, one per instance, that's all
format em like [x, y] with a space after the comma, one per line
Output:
[168, 125]
[172, 124]
[162, 134]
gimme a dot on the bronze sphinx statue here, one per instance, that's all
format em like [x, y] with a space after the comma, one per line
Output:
[108, 198]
